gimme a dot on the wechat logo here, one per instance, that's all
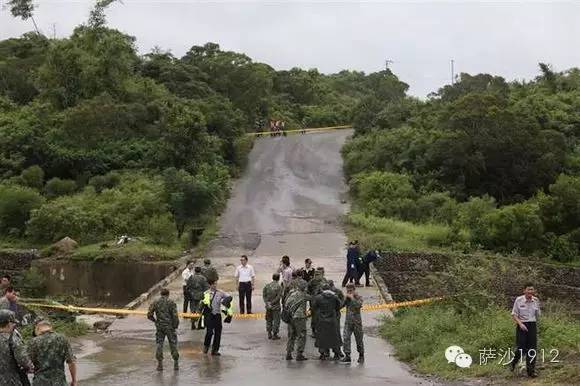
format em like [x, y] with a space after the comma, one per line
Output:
[455, 354]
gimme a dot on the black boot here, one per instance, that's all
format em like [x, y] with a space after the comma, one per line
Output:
[159, 366]
[289, 357]
[205, 349]
[300, 358]
[175, 365]
[361, 358]
[269, 335]
[275, 337]
[346, 359]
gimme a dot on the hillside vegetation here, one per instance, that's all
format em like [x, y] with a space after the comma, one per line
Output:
[495, 162]
[97, 140]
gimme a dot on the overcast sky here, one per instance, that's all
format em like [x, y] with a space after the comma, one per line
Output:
[504, 38]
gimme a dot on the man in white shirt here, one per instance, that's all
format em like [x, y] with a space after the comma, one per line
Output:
[187, 272]
[245, 275]
[525, 314]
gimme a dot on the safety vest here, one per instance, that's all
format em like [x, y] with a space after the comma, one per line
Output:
[227, 311]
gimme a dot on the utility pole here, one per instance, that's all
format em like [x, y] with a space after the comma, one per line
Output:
[387, 63]
[54, 30]
[452, 72]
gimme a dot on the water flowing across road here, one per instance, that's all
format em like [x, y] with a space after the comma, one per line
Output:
[289, 201]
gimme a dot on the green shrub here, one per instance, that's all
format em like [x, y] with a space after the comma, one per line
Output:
[90, 217]
[16, 205]
[384, 194]
[33, 177]
[437, 206]
[562, 248]
[108, 181]
[56, 187]
[33, 283]
[560, 210]
[162, 230]
[512, 228]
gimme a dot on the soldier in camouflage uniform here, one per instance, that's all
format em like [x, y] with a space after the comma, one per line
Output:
[163, 312]
[353, 324]
[294, 283]
[209, 271]
[296, 303]
[48, 352]
[314, 288]
[272, 295]
[13, 356]
[196, 285]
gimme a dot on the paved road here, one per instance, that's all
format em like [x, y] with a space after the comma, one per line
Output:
[288, 202]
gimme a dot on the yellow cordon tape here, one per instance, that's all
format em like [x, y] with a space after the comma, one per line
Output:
[309, 130]
[189, 315]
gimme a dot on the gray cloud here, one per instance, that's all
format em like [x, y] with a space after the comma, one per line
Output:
[508, 39]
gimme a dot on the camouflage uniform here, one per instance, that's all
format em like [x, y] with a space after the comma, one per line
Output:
[353, 324]
[297, 326]
[294, 283]
[49, 352]
[272, 295]
[209, 272]
[9, 375]
[163, 312]
[196, 286]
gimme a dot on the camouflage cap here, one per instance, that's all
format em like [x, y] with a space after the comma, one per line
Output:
[7, 316]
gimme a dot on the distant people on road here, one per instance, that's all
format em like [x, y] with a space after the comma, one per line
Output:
[353, 324]
[209, 271]
[49, 351]
[196, 286]
[285, 270]
[295, 305]
[10, 300]
[163, 312]
[215, 303]
[245, 276]
[14, 359]
[272, 295]
[326, 306]
[186, 274]
[352, 264]
[308, 270]
[525, 313]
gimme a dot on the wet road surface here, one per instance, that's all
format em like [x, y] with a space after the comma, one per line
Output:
[288, 202]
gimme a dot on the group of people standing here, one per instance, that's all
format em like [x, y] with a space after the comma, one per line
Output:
[358, 265]
[305, 293]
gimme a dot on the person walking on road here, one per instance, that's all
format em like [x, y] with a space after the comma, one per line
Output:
[353, 324]
[245, 275]
[215, 302]
[326, 306]
[525, 313]
[196, 286]
[163, 312]
[209, 271]
[295, 304]
[49, 351]
[186, 274]
[272, 295]
[14, 360]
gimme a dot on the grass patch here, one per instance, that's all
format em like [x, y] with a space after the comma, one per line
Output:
[70, 329]
[421, 335]
[133, 251]
[397, 235]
